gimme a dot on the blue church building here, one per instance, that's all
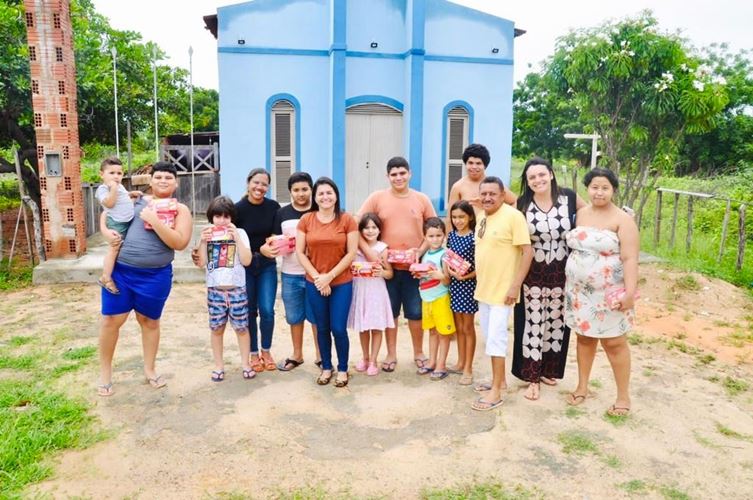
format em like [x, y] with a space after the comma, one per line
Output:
[337, 87]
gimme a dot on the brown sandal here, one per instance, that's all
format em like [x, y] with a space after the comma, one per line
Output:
[257, 364]
[575, 399]
[322, 380]
[342, 383]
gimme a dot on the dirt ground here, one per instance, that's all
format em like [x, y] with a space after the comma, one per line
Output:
[394, 435]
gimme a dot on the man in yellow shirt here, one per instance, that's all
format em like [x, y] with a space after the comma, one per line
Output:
[503, 257]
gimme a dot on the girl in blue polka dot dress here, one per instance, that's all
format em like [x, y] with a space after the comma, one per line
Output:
[461, 241]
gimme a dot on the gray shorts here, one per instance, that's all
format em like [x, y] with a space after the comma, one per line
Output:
[120, 227]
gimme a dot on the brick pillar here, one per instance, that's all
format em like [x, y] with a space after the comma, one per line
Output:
[53, 89]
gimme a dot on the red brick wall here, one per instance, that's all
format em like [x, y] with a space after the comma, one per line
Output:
[53, 83]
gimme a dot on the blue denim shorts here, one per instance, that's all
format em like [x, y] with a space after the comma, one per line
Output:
[228, 303]
[403, 291]
[297, 308]
[143, 290]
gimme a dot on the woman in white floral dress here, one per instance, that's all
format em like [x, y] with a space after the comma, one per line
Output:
[602, 277]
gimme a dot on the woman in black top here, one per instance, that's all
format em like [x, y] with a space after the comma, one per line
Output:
[256, 215]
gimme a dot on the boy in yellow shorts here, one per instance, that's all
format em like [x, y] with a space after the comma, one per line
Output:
[436, 315]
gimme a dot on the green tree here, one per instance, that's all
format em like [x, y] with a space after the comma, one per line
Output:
[93, 39]
[729, 146]
[641, 90]
[540, 120]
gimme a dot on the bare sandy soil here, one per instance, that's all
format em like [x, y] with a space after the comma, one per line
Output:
[397, 434]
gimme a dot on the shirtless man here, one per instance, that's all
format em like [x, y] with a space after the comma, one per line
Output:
[475, 158]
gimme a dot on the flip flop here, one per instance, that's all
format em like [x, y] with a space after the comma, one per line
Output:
[420, 362]
[105, 390]
[157, 382]
[439, 375]
[618, 411]
[218, 375]
[294, 363]
[465, 380]
[483, 387]
[424, 370]
[248, 374]
[389, 366]
[575, 399]
[453, 371]
[481, 405]
[109, 285]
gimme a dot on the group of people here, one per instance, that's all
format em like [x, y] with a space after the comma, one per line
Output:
[549, 259]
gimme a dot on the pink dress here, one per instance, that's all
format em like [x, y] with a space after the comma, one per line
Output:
[370, 307]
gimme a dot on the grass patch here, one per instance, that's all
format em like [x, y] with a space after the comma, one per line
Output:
[23, 362]
[479, 491]
[595, 383]
[671, 493]
[649, 371]
[727, 432]
[577, 443]
[704, 441]
[80, 353]
[688, 283]
[682, 347]
[574, 412]
[635, 339]
[34, 422]
[734, 386]
[634, 486]
[612, 461]
[18, 276]
[706, 359]
[738, 338]
[616, 420]
[19, 340]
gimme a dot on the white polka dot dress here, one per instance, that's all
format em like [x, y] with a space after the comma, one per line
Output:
[461, 292]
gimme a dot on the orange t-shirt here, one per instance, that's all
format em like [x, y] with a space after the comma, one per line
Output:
[402, 217]
[327, 244]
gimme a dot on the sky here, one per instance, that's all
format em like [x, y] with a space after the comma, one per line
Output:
[177, 24]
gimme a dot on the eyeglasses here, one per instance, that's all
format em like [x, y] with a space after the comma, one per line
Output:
[482, 228]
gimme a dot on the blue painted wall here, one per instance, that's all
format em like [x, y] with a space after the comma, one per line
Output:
[324, 60]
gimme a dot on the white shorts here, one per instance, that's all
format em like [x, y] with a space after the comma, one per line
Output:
[494, 321]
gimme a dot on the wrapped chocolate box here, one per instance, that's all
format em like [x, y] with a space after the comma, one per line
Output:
[167, 209]
[285, 245]
[456, 262]
[401, 256]
[363, 269]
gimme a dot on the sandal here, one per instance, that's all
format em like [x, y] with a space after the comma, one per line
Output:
[108, 285]
[289, 364]
[484, 387]
[575, 399]
[105, 390]
[481, 405]
[362, 365]
[257, 364]
[324, 380]
[389, 366]
[157, 382]
[340, 382]
[248, 373]
[269, 363]
[424, 370]
[439, 375]
[372, 370]
[218, 375]
[465, 380]
[420, 362]
[618, 411]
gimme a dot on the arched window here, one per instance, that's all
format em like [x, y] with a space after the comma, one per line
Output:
[282, 148]
[458, 123]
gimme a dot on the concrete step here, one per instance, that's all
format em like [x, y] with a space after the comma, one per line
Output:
[88, 267]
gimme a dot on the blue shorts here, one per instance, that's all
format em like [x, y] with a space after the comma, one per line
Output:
[297, 308]
[228, 303]
[403, 291]
[143, 290]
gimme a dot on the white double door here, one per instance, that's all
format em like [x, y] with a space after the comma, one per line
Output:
[374, 134]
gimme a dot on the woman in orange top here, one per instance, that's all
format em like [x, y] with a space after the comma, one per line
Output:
[326, 244]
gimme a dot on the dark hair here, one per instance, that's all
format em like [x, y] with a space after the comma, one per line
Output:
[370, 216]
[601, 172]
[321, 181]
[256, 172]
[468, 209]
[110, 160]
[163, 166]
[434, 222]
[299, 177]
[221, 205]
[493, 179]
[397, 162]
[526, 193]
[477, 151]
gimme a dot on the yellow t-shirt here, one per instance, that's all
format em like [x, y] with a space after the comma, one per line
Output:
[498, 241]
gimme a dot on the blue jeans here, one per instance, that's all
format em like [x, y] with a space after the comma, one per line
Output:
[261, 287]
[297, 308]
[331, 315]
